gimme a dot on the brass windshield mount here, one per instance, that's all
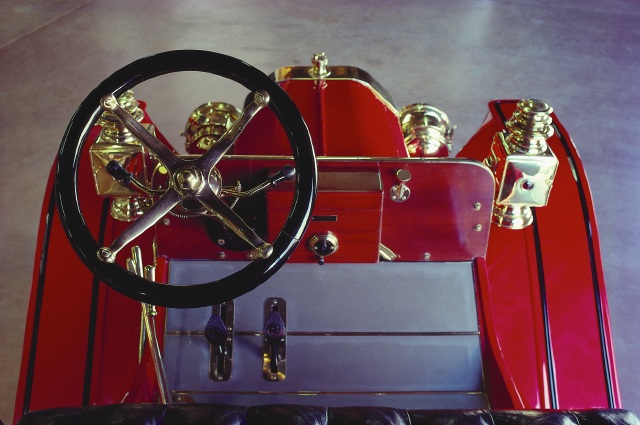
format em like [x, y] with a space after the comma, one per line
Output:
[319, 69]
[401, 192]
[191, 180]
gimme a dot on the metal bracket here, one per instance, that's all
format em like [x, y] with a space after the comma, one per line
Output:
[401, 192]
[274, 346]
[219, 333]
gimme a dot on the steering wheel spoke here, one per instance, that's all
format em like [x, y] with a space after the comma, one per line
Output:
[161, 207]
[223, 213]
[157, 148]
[224, 143]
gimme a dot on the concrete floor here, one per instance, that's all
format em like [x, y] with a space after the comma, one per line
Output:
[582, 57]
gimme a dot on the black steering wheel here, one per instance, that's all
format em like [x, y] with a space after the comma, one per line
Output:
[192, 180]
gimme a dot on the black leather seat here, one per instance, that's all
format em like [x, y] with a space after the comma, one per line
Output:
[219, 414]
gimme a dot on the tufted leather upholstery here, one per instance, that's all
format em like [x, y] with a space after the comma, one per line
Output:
[219, 414]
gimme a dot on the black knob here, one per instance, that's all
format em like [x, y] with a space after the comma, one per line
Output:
[274, 328]
[286, 173]
[323, 245]
[118, 172]
[215, 331]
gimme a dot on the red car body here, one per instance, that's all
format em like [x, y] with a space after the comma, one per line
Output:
[540, 301]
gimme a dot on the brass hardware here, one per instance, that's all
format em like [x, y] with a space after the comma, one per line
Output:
[400, 192]
[134, 265]
[512, 217]
[530, 127]
[318, 68]
[274, 354]
[287, 172]
[263, 251]
[219, 333]
[113, 131]
[130, 155]
[323, 245]
[117, 143]
[129, 208]
[338, 73]
[186, 180]
[523, 164]
[387, 254]
[427, 130]
[206, 124]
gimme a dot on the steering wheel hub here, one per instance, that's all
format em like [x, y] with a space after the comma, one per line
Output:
[188, 181]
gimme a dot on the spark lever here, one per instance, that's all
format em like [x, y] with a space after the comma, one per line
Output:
[274, 333]
[118, 172]
[275, 340]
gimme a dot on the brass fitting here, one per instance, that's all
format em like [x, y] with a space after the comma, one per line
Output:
[523, 164]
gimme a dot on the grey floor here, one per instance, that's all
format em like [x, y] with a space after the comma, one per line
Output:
[582, 57]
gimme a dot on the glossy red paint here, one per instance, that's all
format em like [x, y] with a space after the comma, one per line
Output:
[536, 288]
[345, 118]
[550, 272]
[78, 331]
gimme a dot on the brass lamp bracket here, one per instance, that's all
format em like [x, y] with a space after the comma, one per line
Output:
[523, 164]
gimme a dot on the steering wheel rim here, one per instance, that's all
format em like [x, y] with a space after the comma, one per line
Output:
[216, 291]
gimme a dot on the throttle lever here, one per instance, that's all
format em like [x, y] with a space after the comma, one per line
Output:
[216, 331]
[286, 173]
[219, 334]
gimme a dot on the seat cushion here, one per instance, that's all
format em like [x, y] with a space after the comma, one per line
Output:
[222, 414]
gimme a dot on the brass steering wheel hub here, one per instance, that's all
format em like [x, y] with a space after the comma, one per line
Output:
[188, 181]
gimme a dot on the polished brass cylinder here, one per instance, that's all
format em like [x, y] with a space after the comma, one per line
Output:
[427, 130]
[206, 124]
